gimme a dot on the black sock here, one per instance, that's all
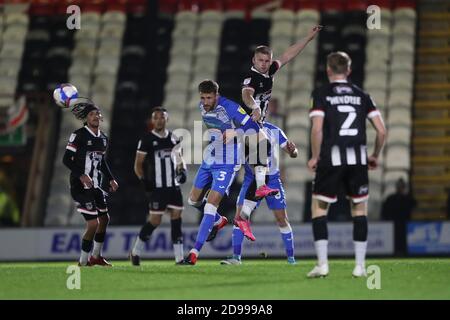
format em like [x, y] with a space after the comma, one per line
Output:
[146, 231]
[263, 156]
[177, 236]
[360, 228]
[320, 228]
[100, 237]
[86, 245]
[250, 195]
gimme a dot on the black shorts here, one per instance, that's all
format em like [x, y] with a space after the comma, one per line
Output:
[91, 203]
[354, 180]
[161, 199]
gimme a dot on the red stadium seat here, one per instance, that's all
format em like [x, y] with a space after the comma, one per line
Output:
[93, 6]
[386, 4]
[236, 5]
[308, 4]
[356, 5]
[405, 4]
[290, 5]
[61, 6]
[188, 5]
[333, 5]
[136, 6]
[168, 6]
[42, 7]
[116, 5]
[211, 5]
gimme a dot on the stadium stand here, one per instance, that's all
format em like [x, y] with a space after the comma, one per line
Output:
[127, 71]
[430, 142]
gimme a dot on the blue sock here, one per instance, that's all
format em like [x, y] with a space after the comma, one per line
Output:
[288, 239]
[236, 239]
[205, 226]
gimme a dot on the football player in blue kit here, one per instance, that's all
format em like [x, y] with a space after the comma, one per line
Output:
[276, 203]
[222, 159]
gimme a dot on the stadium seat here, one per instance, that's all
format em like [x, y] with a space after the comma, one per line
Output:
[398, 157]
[283, 15]
[400, 99]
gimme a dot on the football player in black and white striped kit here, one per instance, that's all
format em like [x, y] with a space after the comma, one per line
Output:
[339, 156]
[89, 172]
[161, 168]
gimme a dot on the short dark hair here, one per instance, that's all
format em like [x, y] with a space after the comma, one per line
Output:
[208, 86]
[263, 50]
[339, 62]
[158, 109]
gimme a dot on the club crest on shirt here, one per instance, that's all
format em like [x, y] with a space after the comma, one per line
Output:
[89, 143]
[363, 189]
[343, 89]
[155, 143]
[241, 110]
[89, 206]
[247, 81]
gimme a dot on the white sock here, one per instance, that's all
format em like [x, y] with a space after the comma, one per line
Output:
[84, 257]
[97, 251]
[178, 251]
[360, 252]
[321, 251]
[138, 247]
[260, 176]
[247, 209]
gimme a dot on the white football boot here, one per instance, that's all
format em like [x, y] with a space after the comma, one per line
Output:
[319, 271]
[231, 261]
[359, 271]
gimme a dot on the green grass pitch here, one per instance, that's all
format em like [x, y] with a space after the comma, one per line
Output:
[255, 279]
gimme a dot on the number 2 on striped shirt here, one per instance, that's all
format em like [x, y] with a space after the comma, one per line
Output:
[345, 128]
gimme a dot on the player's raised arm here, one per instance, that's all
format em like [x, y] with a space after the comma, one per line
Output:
[296, 48]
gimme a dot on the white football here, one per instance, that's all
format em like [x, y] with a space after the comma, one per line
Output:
[65, 95]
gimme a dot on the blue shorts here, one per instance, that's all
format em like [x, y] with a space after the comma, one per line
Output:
[220, 178]
[277, 202]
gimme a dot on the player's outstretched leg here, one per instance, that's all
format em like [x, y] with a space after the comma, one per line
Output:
[320, 232]
[219, 222]
[236, 238]
[360, 231]
[261, 169]
[96, 257]
[242, 220]
[205, 228]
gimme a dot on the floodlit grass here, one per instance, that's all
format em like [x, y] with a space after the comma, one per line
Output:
[255, 279]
